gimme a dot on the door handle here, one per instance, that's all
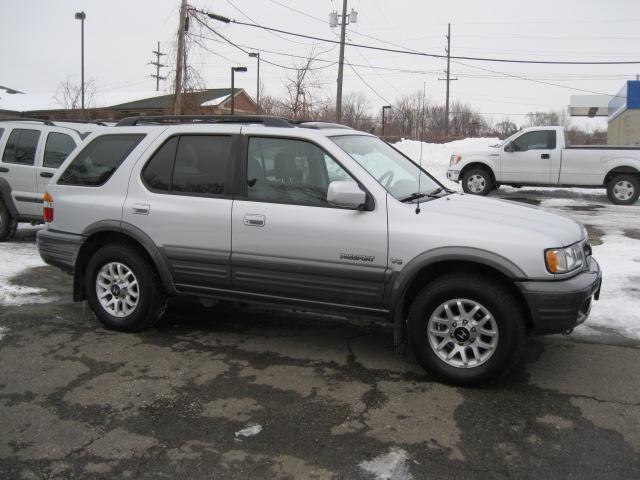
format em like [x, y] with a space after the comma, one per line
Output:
[253, 220]
[140, 209]
[4, 170]
[546, 156]
[46, 174]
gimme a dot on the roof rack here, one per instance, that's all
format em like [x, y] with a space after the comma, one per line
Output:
[318, 125]
[77, 120]
[26, 119]
[267, 121]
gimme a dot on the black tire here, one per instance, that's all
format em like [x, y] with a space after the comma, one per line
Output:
[477, 174]
[493, 296]
[630, 182]
[152, 300]
[8, 225]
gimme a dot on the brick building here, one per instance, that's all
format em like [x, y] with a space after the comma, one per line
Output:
[212, 101]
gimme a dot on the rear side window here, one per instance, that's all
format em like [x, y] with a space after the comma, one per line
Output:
[95, 164]
[57, 149]
[21, 146]
[190, 164]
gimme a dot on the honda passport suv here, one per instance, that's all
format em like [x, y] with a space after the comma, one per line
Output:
[315, 217]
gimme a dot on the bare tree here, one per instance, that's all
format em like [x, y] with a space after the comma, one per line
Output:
[505, 128]
[69, 95]
[548, 119]
[355, 111]
[302, 85]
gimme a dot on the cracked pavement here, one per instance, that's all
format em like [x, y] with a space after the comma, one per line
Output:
[79, 401]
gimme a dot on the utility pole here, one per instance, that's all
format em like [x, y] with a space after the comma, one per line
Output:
[448, 79]
[177, 95]
[352, 17]
[158, 65]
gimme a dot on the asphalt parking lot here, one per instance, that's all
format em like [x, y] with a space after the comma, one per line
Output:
[231, 391]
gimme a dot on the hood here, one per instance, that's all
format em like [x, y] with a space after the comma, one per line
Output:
[510, 219]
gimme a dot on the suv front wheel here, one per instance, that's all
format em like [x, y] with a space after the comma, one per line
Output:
[123, 288]
[466, 329]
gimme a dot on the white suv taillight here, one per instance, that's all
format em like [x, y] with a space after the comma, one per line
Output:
[48, 208]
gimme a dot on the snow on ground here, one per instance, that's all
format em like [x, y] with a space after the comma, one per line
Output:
[15, 258]
[3, 332]
[389, 466]
[249, 431]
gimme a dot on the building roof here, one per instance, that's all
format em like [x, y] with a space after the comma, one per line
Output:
[208, 97]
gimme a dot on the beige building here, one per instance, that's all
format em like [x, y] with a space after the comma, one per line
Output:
[624, 129]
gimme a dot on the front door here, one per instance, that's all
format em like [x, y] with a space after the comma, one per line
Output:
[529, 159]
[181, 199]
[289, 242]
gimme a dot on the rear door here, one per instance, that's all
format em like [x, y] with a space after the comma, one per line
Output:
[180, 196]
[530, 163]
[58, 144]
[288, 242]
[18, 167]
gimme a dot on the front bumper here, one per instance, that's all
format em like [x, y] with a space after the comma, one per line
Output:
[453, 175]
[59, 249]
[559, 305]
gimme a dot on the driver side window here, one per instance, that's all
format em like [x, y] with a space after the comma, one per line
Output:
[537, 140]
[282, 170]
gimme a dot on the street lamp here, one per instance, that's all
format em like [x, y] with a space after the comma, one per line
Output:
[233, 90]
[81, 16]
[385, 107]
[257, 55]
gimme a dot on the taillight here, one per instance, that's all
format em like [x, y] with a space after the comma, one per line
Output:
[48, 208]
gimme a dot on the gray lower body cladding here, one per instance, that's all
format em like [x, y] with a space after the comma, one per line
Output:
[59, 249]
[560, 305]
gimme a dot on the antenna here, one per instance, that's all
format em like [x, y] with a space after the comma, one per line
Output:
[424, 94]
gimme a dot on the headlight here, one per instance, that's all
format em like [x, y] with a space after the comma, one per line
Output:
[563, 260]
[454, 160]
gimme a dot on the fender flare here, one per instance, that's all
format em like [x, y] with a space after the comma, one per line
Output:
[5, 195]
[405, 277]
[477, 162]
[141, 238]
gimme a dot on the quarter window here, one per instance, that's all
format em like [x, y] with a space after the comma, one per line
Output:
[99, 159]
[290, 171]
[157, 173]
[21, 147]
[536, 140]
[57, 149]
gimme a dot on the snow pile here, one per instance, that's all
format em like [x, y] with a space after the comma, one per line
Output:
[249, 431]
[435, 156]
[619, 304]
[389, 466]
[15, 258]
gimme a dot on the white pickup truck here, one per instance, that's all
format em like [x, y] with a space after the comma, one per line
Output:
[541, 156]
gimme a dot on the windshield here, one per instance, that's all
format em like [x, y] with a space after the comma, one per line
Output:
[395, 172]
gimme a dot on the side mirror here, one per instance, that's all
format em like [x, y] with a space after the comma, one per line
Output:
[346, 194]
[510, 147]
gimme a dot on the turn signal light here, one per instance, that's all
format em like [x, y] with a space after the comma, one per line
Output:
[552, 261]
[48, 208]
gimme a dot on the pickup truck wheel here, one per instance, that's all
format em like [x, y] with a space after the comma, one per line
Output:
[466, 329]
[8, 225]
[477, 181]
[123, 289]
[623, 189]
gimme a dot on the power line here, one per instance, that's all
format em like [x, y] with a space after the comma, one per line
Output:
[367, 84]
[418, 53]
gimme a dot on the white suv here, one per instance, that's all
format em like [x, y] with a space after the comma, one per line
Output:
[31, 152]
[330, 219]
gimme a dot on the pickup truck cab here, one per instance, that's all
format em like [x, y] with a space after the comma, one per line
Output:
[541, 156]
[313, 217]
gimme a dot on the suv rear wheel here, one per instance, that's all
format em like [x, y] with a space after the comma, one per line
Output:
[466, 329]
[123, 289]
[477, 181]
[8, 225]
[623, 189]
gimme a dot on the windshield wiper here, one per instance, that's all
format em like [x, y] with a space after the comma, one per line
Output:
[432, 194]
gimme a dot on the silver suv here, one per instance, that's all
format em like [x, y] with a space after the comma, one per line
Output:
[315, 217]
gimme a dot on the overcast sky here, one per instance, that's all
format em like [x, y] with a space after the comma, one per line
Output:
[40, 46]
